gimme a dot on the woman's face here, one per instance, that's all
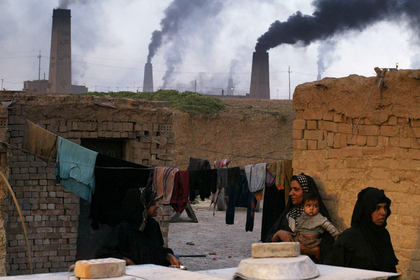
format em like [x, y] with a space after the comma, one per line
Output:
[379, 215]
[153, 210]
[296, 194]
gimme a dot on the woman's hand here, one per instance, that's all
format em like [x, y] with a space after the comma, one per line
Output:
[308, 251]
[283, 235]
[128, 261]
[173, 261]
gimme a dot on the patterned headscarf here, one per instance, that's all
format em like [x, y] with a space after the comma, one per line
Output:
[136, 206]
[307, 184]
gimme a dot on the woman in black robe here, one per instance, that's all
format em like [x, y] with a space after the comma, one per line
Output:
[283, 229]
[137, 238]
[367, 243]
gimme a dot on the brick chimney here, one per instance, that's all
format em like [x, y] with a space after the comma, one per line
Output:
[148, 78]
[260, 79]
[60, 58]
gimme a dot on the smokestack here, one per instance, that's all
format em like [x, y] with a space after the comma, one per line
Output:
[230, 87]
[148, 78]
[260, 80]
[60, 58]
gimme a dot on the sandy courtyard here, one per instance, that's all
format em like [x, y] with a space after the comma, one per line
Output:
[224, 245]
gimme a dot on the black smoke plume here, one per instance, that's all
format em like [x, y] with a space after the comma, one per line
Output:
[332, 17]
[175, 14]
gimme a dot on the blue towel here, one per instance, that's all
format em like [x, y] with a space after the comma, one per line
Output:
[74, 168]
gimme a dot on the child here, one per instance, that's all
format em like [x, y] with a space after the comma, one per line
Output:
[311, 224]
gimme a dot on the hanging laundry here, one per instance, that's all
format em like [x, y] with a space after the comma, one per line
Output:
[113, 177]
[232, 194]
[195, 180]
[39, 141]
[202, 182]
[275, 199]
[274, 204]
[198, 164]
[222, 183]
[221, 163]
[181, 191]
[74, 168]
[163, 182]
[277, 170]
[241, 197]
[256, 176]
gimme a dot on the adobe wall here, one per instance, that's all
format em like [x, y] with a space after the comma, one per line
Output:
[3, 187]
[249, 131]
[384, 151]
[51, 212]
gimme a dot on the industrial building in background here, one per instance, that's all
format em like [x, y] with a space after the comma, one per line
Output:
[60, 81]
[260, 78]
[148, 78]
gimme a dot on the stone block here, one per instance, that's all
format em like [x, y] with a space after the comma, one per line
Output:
[405, 143]
[369, 130]
[328, 116]
[338, 118]
[389, 131]
[313, 135]
[297, 134]
[415, 123]
[344, 128]
[361, 140]
[275, 250]
[312, 145]
[312, 125]
[322, 144]
[100, 268]
[392, 120]
[372, 141]
[312, 115]
[330, 126]
[300, 145]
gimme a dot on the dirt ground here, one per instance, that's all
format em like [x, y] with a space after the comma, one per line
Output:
[224, 245]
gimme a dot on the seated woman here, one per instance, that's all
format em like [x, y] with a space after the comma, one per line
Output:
[367, 243]
[284, 228]
[137, 238]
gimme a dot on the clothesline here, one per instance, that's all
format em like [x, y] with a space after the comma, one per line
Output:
[153, 140]
[212, 151]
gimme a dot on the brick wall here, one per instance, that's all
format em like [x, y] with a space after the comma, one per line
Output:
[51, 213]
[3, 187]
[383, 152]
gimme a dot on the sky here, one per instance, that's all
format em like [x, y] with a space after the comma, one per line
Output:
[197, 45]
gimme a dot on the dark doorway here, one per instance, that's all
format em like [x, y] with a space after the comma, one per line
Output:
[89, 240]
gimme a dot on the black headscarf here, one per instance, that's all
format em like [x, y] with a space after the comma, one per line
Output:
[137, 237]
[136, 205]
[308, 185]
[365, 245]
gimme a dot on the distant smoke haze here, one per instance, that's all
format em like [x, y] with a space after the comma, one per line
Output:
[325, 56]
[64, 4]
[177, 15]
[332, 17]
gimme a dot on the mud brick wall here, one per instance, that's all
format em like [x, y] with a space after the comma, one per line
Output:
[50, 212]
[3, 188]
[381, 150]
[249, 131]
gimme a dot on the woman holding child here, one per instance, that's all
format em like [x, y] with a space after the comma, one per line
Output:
[285, 228]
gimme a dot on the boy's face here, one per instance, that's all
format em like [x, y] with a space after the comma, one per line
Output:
[311, 207]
